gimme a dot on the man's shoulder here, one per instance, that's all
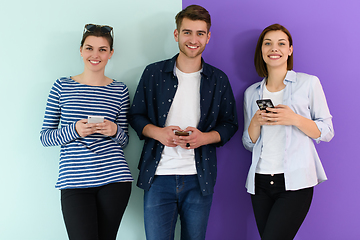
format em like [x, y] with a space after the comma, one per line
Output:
[214, 72]
[163, 65]
[211, 69]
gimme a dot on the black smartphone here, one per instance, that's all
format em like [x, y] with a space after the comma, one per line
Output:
[264, 103]
[182, 133]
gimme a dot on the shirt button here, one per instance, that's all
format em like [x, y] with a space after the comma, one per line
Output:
[272, 182]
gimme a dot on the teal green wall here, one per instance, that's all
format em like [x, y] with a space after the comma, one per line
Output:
[39, 42]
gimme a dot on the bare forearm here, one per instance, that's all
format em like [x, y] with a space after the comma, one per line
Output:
[211, 137]
[308, 127]
[254, 131]
[151, 131]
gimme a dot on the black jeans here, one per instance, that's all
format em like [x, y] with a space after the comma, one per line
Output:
[95, 213]
[279, 213]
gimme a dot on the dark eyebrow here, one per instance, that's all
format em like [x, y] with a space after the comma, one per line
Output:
[267, 39]
[188, 30]
[88, 45]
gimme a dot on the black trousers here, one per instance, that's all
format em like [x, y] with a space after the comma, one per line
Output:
[95, 213]
[279, 213]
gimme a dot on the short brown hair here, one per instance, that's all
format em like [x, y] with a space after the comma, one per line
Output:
[193, 12]
[260, 65]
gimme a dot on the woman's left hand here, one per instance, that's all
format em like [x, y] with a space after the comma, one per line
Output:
[280, 115]
[107, 128]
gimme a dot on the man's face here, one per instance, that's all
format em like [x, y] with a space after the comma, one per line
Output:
[192, 37]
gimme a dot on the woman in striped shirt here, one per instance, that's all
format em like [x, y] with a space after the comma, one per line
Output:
[94, 178]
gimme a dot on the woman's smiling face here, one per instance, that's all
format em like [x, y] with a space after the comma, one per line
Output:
[276, 49]
[96, 53]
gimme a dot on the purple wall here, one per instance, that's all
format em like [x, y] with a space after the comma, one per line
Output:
[326, 38]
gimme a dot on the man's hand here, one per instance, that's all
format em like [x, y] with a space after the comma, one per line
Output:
[197, 138]
[164, 135]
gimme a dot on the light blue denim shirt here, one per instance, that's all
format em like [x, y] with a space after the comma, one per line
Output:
[304, 95]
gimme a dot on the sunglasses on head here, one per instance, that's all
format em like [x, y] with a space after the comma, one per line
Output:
[103, 28]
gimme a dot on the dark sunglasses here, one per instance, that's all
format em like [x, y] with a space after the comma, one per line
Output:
[103, 28]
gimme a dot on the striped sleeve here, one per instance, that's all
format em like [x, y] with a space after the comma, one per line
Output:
[122, 135]
[51, 134]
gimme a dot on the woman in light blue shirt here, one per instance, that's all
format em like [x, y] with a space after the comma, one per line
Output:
[285, 165]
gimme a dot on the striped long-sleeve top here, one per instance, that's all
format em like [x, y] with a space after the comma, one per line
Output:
[97, 159]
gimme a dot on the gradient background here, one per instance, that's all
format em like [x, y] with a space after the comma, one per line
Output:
[40, 42]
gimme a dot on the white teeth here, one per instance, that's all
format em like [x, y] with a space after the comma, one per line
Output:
[192, 47]
[274, 56]
[94, 62]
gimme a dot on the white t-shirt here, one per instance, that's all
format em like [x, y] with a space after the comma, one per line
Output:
[184, 112]
[272, 155]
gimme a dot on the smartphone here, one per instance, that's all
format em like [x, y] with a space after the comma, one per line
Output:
[182, 133]
[95, 119]
[264, 103]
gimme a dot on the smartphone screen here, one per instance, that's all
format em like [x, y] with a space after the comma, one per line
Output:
[264, 103]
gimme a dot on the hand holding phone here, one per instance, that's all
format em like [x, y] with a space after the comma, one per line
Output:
[95, 119]
[181, 133]
[264, 103]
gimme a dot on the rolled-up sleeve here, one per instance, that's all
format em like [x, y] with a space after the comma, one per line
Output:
[250, 96]
[320, 113]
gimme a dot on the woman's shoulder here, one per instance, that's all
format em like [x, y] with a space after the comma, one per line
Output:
[61, 81]
[300, 76]
[64, 79]
[253, 87]
[119, 85]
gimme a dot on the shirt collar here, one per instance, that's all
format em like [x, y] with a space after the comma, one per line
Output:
[290, 76]
[171, 66]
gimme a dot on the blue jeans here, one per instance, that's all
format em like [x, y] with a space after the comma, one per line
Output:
[170, 196]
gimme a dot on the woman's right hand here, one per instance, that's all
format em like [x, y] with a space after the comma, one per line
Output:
[258, 118]
[255, 125]
[83, 128]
